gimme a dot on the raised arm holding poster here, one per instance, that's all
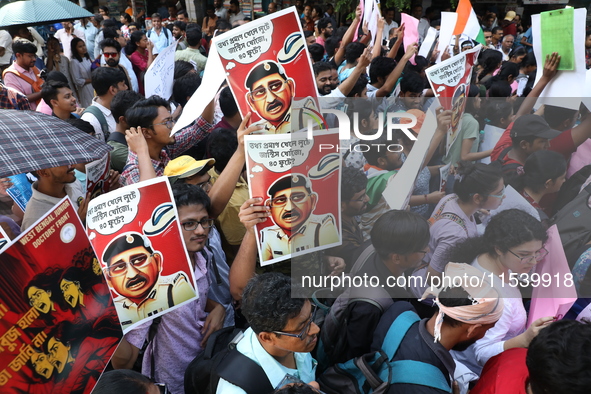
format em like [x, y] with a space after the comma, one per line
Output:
[58, 324]
[267, 67]
[450, 81]
[97, 175]
[137, 237]
[299, 179]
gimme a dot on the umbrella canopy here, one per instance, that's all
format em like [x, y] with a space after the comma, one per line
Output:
[30, 141]
[40, 12]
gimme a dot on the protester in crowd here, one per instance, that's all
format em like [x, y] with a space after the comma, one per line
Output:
[81, 72]
[11, 99]
[235, 15]
[526, 68]
[513, 242]
[543, 173]
[22, 75]
[60, 99]
[90, 31]
[209, 22]
[111, 57]
[192, 53]
[106, 81]
[466, 312]
[125, 20]
[141, 56]
[181, 334]
[122, 100]
[161, 37]
[178, 32]
[147, 140]
[58, 62]
[325, 28]
[66, 34]
[354, 200]
[477, 186]
[497, 37]
[104, 12]
[220, 11]
[491, 61]
[282, 331]
[506, 46]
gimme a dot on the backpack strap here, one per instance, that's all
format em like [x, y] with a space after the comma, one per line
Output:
[397, 332]
[98, 114]
[243, 372]
[418, 372]
[360, 262]
[117, 137]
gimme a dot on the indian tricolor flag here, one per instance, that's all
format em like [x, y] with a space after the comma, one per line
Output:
[468, 22]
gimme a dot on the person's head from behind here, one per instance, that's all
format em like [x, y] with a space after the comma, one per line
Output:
[544, 172]
[528, 64]
[132, 267]
[182, 68]
[298, 388]
[107, 81]
[480, 185]
[490, 61]
[222, 26]
[531, 133]
[360, 87]
[221, 146]
[513, 239]
[316, 52]
[465, 313]
[153, 116]
[379, 70]
[411, 90]
[559, 358]
[125, 381]
[354, 198]
[58, 96]
[125, 18]
[194, 36]
[184, 87]
[331, 45]
[111, 51]
[121, 102]
[400, 239]
[193, 206]
[499, 112]
[281, 322]
[25, 53]
[517, 55]
[353, 51]
[228, 105]
[560, 118]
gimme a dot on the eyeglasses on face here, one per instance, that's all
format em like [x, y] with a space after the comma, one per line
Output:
[275, 87]
[306, 328]
[191, 225]
[168, 122]
[538, 256]
[108, 55]
[281, 201]
[120, 267]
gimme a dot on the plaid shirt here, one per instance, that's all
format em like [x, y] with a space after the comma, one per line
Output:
[11, 99]
[184, 139]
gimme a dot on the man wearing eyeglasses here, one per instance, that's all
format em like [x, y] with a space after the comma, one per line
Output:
[270, 95]
[296, 228]
[111, 57]
[132, 269]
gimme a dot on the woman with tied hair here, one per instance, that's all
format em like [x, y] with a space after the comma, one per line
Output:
[543, 173]
[477, 187]
[512, 244]
[81, 72]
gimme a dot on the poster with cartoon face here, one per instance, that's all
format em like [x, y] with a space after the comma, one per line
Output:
[138, 240]
[58, 324]
[299, 180]
[450, 81]
[269, 72]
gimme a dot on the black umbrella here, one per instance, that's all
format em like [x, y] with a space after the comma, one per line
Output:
[40, 12]
[32, 141]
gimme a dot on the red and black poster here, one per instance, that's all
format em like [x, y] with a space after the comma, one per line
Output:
[58, 324]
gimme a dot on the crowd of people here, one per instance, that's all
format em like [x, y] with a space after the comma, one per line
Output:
[91, 74]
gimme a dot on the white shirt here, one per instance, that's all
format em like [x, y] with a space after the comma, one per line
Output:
[66, 38]
[387, 28]
[90, 118]
[41, 203]
[423, 27]
[221, 12]
[6, 43]
[236, 17]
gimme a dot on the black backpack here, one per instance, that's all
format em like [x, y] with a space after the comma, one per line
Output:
[220, 359]
[570, 189]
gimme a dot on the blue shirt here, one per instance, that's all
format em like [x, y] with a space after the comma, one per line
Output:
[252, 348]
[161, 40]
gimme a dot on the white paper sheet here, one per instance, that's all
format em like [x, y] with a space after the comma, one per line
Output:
[159, 77]
[492, 134]
[430, 38]
[448, 24]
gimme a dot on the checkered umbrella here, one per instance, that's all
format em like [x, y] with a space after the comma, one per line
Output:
[40, 12]
[30, 140]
